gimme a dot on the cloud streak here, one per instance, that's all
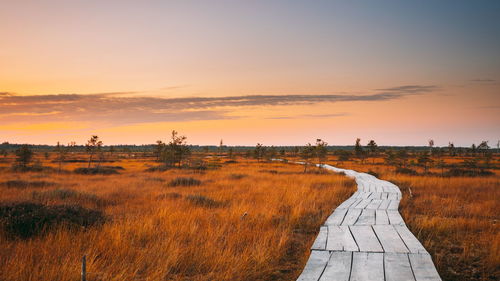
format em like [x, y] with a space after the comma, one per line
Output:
[117, 109]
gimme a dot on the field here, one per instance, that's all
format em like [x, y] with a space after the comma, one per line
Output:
[237, 219]
[243, 220]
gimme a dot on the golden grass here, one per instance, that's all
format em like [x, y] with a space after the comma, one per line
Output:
[156, 233]
[456, 219]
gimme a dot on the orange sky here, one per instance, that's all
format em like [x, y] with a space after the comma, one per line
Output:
[281, 73]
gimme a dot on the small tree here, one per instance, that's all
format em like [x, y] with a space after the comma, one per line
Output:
[431, 145]
[483, 147]
[372, 147]
[92, 145]
[358, 150]
[258, 152]
[221, 148]
[176, 151]
[307, 153]
[321, 151]
[159, 149]
[451, 149]
[60, 154]
[24, 155]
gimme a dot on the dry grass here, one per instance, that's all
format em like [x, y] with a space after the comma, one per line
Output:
[259, 228]
[456, 219]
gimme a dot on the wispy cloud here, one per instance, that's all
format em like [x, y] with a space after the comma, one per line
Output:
[309, 116]
[484, 80]
[122, 108]
[410, 89]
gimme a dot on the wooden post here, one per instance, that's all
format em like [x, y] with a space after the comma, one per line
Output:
[84, 268]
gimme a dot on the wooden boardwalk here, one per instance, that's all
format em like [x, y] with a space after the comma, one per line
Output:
[365, 238]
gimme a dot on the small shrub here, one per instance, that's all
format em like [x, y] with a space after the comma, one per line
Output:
[321, 185]
[460, 172]
[25, 220]
[184, 182]
[406, 171]
[204, 201]
[237, 176]
[171, 195]
[160, 168]
[318, 172]
[106, 170]
[155, 179]
[231, 162]
[27, 184]
[373, 173]
[67, 194]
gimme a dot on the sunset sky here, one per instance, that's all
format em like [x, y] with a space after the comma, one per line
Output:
[268, 71]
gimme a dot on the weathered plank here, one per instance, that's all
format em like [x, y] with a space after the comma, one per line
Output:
[315, 266]
[365, 238]
[384, 204]
[338, 267]
[348, 242]
[423, 268]
[397, 267]
[335, 241]
[374, 204]
[336, 217]
[367, 267]
[393, 196]
[381, 217]
[395, 217]
[390, 239]
[367, 217]
[351, 217]
[346, 204]
[363, 204]
[410, 240]
[320, 242]
[393, 205]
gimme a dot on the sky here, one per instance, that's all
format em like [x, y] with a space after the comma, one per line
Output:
[269, 71]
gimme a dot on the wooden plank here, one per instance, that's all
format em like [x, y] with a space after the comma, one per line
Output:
[411, 242]
[363, 204]
[366, 194]
[390, 239]
[385, 195]
[336, 217]
[393, 196]
[348, 203]
[365, 238]
[395, 217]
[374, 204]
[320, 242]
[338, 267]
[367, 217]
[381, 217]
[423, 268]
[367, 267]
[335, 240]
[384, 204]
[379, 188]
[397, 267]
[393, 205]
[348, 241]
[351, 217]
[315, 266]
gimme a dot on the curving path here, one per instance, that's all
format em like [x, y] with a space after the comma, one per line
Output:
[365, 238]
